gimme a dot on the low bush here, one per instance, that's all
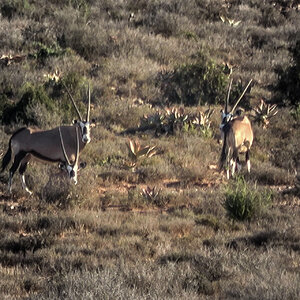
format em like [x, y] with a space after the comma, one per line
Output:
[31, 95]
[197, 83]
[271, 16]
[10, 9]
[288, 85]
[43, 52]
[296, 113]
[244, 202]
[45, 103]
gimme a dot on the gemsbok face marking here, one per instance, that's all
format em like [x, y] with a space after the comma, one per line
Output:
[46, 145]
[71, 168]
[237, 135]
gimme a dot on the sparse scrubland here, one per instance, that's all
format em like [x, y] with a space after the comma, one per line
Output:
[151, 216]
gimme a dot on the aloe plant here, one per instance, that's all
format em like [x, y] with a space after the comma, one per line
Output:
[175, 118]
[136, 151]
[203, 118]
[231, 22]
[55, 76]
[154, 119]
[264, 112]
[155, 196]
[151, 193]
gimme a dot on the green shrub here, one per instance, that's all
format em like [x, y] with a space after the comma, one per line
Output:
[198, 83]
[11, 8]
[40, 103]
[271, 16]
[296, 113]
[31, 95]
[288, 86]
[244, 202]
[43, 52]
[164, 23]
[3, 104]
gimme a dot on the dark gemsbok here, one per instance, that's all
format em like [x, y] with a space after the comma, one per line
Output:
[46, 145]
[237, 136]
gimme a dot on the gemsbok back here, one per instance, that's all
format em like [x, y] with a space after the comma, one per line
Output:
[237, 135]
[61, 144]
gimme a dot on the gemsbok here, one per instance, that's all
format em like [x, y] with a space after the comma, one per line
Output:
[62, 144]
[237, 136]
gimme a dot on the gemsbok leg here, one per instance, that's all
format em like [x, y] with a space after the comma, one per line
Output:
[248, 160]
[17, 160]
[22, 170]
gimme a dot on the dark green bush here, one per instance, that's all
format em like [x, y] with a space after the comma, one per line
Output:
[11, 8]
[90, 42]
[43, 52]
[31, 95]
[244, 202]
[45, 101]
[202, 82]
[4, 104]
[163, 23]
[288, 86]
[271, 16]
[295, 113]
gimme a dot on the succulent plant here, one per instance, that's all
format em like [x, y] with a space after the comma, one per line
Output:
[151, 193]
[54, 77]
[155, 119]
[137, 151]
[203, 118]
[231, 22]
[154, 196]
[264, 112]
[176, 113]
[175, 118]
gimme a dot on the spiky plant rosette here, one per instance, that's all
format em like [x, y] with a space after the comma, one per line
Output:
[264, 112]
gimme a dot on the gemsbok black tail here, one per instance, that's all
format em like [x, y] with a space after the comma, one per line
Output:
[7, 157]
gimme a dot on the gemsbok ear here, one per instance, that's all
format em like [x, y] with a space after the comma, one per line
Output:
[75, 121]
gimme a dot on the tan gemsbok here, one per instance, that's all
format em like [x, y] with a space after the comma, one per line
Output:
[237, 136]
[46, 145]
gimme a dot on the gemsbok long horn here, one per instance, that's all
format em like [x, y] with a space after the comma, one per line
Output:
[84, 125]
[242, 95]
[74, 104]
[227, 98]
[89, 106]
[63, 147]
[64, 150]
[77, 147]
